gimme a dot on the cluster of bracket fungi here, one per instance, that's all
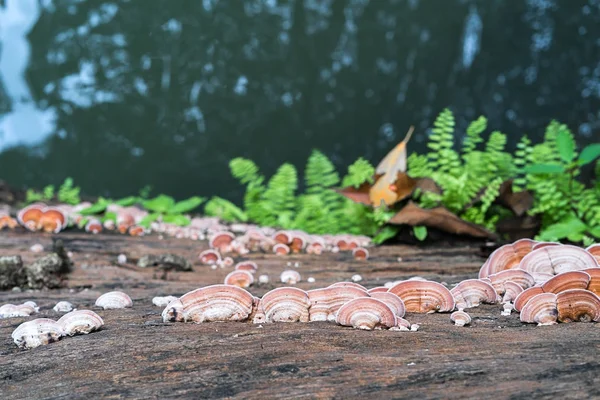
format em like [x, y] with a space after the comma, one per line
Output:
[239, 238]
[546, 283]
[42, 331]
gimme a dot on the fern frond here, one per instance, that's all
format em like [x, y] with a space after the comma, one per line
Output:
[246, 171]
[522, 159]
[474, 131]
[225, 210]
[441, 141]
[359, 172]
[320, 173]
[68, 194]
[279, 197]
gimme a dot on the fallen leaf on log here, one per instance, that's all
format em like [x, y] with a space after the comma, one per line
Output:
[439, 217]
[357, 195]
[518, 202]
[402, 188]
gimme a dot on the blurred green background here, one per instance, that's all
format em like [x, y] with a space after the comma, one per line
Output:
[124, 93]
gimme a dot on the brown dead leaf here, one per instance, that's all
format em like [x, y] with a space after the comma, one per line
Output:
[428, 185]
[440, 218]
[357, 195]
[519, 203]
[391, 192]
[402, 188]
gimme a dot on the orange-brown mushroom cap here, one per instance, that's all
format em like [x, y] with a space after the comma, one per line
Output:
[239, 278]
[525, 296]
[540, 309]
[285, 304]
[566, 281]
[471, 292]
[578, 305]
[557, 259]
[217, 303]
[506, 257]
[325, 302]
[424, 296]
[360, 253]
[366, 313]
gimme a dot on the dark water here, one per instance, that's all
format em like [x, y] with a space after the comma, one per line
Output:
[119, 94]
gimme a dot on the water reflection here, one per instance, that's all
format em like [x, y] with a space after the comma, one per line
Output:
[23, 121]
[168, 93]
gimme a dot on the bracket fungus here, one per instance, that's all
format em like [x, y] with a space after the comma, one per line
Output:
[37, 332]
[209, 257]
[114, 300]
[325, 302]
[557, 259]
[136, 230]
[29, 216]
[163, 301]
[6, 221]
[21, 310]
[63, 307]
[93, 226]
[281, 249]
[566, 281]
[314, 248]
[290, 277]
[594, 284]
[297, 244]
[460, 318]
[424, 296]
[366, 313]
[511, 291]
[525, 296]
[594, 250]
[285, 304]
[578, 305]
[282, 237]
[360, 253]
[249, 266]
[80, 322]
[472, 292]
[506, 257]
[394, 302]
[239, 278]
[52, 220]
[217, 303]
[173, 312]
[540, 309]
[221, 241]
[518, 276]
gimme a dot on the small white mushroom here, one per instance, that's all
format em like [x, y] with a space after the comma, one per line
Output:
[63, 306]
[114, 300]
[460, 318]
[163, 301]
[356, 278]
[37, 332]
[37, 248]
[290, 277]
[121, 259]
[263, 279]
[310, 279]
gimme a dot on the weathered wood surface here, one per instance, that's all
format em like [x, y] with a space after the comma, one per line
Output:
[136, 355]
